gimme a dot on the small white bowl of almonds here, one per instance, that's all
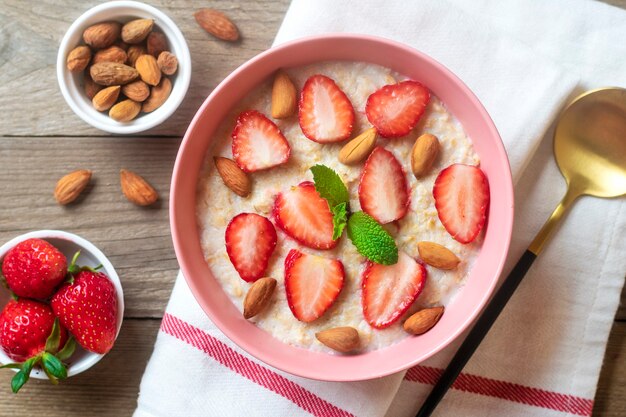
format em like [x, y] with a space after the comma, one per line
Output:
[123, 67]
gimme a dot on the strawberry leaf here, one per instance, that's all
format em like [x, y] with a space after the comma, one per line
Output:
[68, 350]
[23, 375]
[340, 219]
[371, 240]
[53, 366]
[12, 365]
[52, 343]
[330, 186]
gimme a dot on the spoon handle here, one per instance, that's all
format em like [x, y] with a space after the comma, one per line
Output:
[478, 332]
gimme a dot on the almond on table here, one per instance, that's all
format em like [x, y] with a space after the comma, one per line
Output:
[70, 186]
[136, 189]
[217, 24]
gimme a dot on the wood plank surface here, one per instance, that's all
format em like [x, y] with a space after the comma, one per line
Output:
[30, 34]
[41, 139]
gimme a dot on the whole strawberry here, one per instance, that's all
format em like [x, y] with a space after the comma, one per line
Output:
[87, 307]
[34, 268]
[30, 335]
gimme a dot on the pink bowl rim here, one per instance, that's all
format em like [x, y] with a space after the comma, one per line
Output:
[311, 371]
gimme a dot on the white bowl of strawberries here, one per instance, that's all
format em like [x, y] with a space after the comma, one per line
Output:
[62, 306]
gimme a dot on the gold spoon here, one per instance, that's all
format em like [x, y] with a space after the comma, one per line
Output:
[590, 150]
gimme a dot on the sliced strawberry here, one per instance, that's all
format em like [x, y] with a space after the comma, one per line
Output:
[383, 190]
[305, 216]
[312, 284]
[258, 143]
[389, 290]
[325, 112]
[461, 195]
[395, 109]
[250, 241]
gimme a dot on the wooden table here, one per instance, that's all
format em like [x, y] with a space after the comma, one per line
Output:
[41, 140]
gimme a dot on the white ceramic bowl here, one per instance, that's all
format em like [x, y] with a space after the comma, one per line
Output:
[72, 84]
[69, 244]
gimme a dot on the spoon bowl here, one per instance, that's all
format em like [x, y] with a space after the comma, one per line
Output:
[590, 143]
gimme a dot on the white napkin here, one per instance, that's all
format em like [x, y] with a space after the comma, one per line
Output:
[543, 356]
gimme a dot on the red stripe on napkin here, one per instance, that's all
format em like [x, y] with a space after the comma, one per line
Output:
[506, 391]
[228, 357]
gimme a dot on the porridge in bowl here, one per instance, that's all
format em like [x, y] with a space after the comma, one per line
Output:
[340, 207]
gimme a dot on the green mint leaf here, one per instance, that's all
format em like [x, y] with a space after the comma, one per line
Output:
[340, 219]
[52, 343]
[329, 185]
[54, 366]
[68, 350]
[371, 240]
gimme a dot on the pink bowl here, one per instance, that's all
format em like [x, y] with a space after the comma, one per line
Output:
[482, 278]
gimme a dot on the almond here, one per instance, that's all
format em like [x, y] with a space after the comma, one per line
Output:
[110, 54]
[437, 255]
[148, 69]
[283, 96]
[156, 43]
[112, 73]
[424, 153]
[358, 148]
[70, 186]
[341, 339]
[134, 52]
[91, 88]
[258, 297]
[136, 91]
[233, 176]
[158, 96]
[106, 98]
[168, 63]
[423, 320]
[125, 111]
[136, 189]
[102, 35]
[137, 30]
[78, 58]
[217, 24]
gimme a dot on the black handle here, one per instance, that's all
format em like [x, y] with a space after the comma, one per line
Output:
[477, 334]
